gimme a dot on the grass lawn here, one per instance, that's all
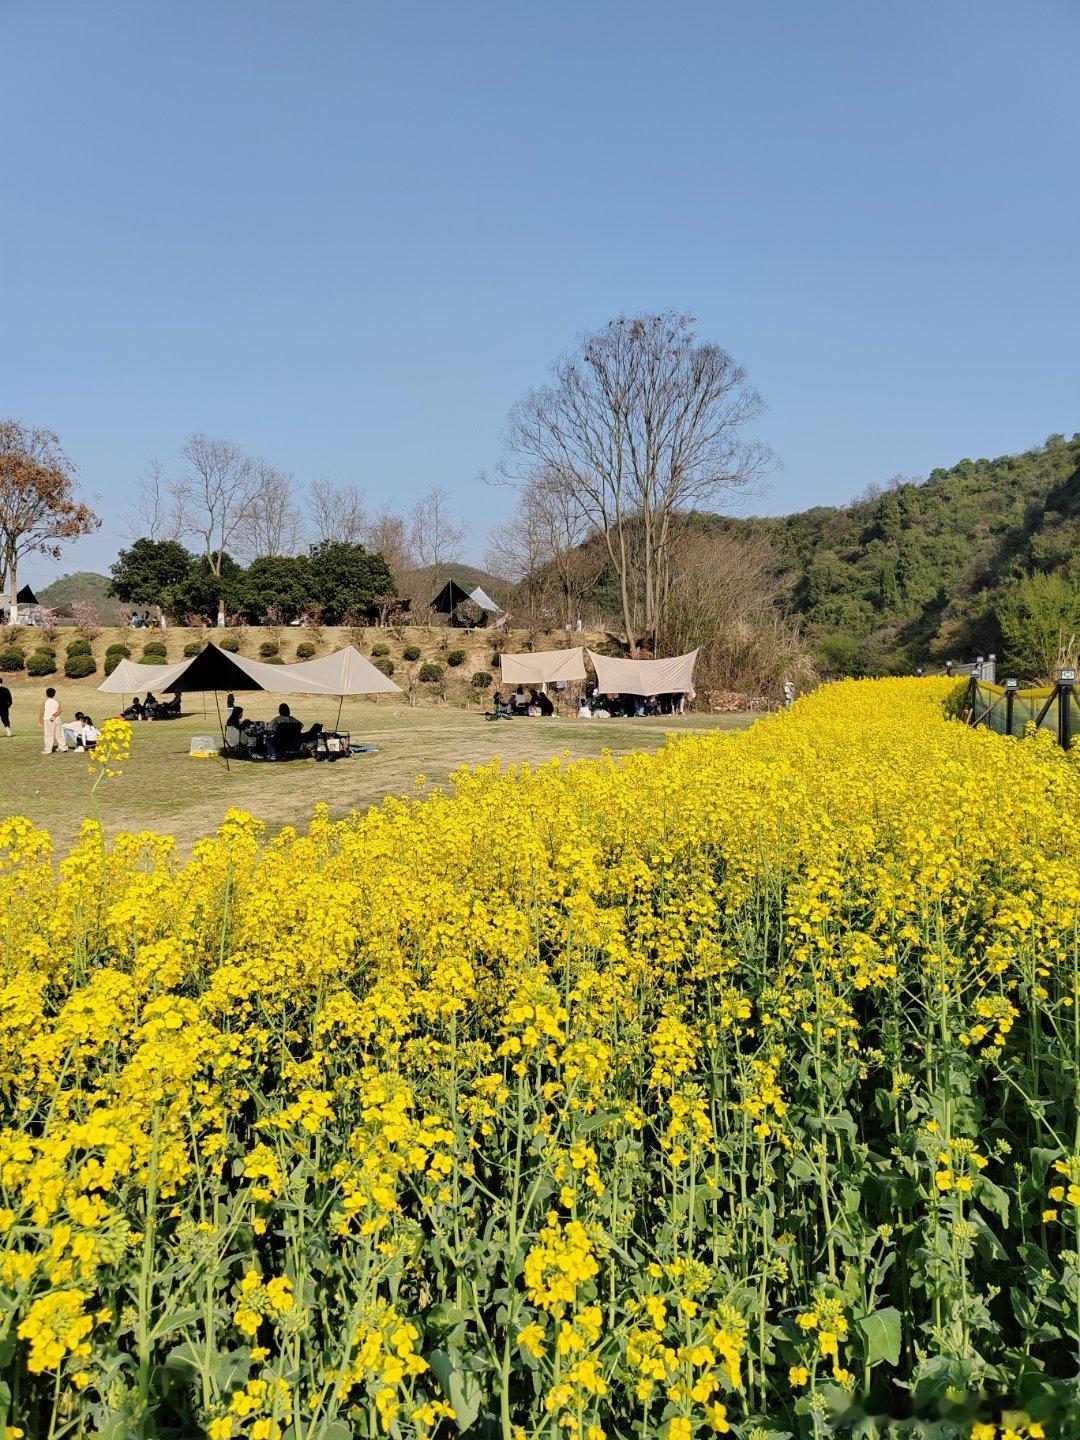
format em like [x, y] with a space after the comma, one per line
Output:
[164, 789]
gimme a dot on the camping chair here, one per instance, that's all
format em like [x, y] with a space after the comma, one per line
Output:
[170, 709]
[283, 743]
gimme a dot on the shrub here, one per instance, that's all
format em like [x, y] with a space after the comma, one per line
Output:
[12, 659]
[152, 648]
[120, 649]
[111, 662]
[229, 643]
[305, 650]
[380, 648]
[79, 647]
[481, 680]
[274, 660]
[192, 648]
[431, 672]
[269, 648]
[77, 667]
[456, 658]
[411, 652]
[46, 650]
[152, 657]
[385, 665]
[43, 662]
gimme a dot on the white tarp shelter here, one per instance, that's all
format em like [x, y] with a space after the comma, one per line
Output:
[543, 667]
[674, 676]
[484, 600]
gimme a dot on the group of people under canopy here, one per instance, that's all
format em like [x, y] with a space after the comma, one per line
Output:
[345, 672]
[622, 687]
[151, 708]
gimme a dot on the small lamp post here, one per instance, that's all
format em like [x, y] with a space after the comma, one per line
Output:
[1011, 687]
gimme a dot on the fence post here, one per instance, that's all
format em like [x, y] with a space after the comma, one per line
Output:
[1011, 687]
[1066, 685]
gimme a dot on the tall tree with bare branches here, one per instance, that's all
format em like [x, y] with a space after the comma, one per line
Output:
[215, 493]
[337, 512]
[38, 510]
[433, 536]
[154, 513]
[274, 521]
[644, 422]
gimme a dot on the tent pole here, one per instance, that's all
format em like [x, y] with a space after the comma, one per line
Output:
[340, 702]
[221, 727]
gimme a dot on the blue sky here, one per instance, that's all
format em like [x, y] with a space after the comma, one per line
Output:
[349, 236]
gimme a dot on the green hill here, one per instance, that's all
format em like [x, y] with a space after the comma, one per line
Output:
[918, 572]
[85, 586]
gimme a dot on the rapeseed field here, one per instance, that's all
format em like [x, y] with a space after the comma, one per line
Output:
[733, 1090]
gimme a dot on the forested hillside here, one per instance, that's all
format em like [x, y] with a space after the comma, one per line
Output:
[919, 573]
[981, 557]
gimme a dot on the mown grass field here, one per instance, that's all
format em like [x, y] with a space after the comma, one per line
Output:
[162, 788]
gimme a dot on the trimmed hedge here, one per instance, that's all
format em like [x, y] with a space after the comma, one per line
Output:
[191, 648]
[229, 643]
[456, 658]
[481, 680]
[411, 652]
[79, 647]
[385, 665]
[12, 659]
[78, 666]
[152, 648]
[119, 648]
[380, 649]
[111, 662]
[269, 649]
[152, 658]
[430, 672]
[305, 650]
[42, 662]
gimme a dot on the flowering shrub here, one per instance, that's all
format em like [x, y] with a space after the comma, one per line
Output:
[730, 1090]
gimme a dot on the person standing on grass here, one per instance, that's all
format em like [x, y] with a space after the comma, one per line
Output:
[5, 709]
[51, 724]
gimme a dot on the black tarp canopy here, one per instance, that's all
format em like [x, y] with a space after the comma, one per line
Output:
[449, 598]
[26, 596]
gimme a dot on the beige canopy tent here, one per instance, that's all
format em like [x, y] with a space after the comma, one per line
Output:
[345, 672]
[674, 676]
[543, 666]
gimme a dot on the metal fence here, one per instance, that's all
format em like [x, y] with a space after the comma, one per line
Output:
[1008, 710]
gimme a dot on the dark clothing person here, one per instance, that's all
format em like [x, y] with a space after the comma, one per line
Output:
[543, 703]
[5, 709]
[283, 734]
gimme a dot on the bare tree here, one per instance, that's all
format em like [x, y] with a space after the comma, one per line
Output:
[337, 512]
[215, 493]
[542, 547]
[154, 513]
[274, 523]
[643, 422]
[433, 537]
[386, 534]
[38, 512]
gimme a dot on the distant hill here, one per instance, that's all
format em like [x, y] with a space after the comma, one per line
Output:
[85, 586]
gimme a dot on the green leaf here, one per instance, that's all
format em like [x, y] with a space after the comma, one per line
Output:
[881, 1331]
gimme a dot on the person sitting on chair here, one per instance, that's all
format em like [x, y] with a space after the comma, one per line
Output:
[150, 706]
[232, 728]
[519, 703]
[283, 733]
